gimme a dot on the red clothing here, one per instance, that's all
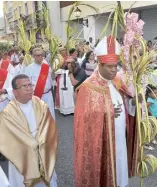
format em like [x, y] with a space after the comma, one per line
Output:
[5, 63]
[94, 136]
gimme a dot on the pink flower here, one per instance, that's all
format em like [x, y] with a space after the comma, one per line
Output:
[129, 37]
[134, 17]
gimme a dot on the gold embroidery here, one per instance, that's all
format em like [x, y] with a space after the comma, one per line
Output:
[109, 122]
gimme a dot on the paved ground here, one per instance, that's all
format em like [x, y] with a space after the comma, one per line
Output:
[64, 165]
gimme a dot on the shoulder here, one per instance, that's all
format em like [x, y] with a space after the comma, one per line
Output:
[30, 68]
[39, 101]
[150, 100]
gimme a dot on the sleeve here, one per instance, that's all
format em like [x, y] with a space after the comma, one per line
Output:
[150, 100]
[130, 108]
[81, 76]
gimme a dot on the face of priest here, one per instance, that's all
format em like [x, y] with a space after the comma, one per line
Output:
[38, 56]
[108, 71]
[24, 90]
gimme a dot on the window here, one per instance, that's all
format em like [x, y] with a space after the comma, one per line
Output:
[26, 9]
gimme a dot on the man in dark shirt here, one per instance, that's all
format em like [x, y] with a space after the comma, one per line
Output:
[77, 74]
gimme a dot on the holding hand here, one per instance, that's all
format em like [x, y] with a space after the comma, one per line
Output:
[140, 99]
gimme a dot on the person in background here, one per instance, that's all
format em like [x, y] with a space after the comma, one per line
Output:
[40, 74]
[80, 57]
[20, 68]
[91, 44]
[73, 53]
[77, 75]
[6, 64]
[151, 95]
[149, 45]
[15, 57]
[86, 47]
[89, 64]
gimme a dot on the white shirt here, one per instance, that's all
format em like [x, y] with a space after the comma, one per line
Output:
[3, 179]
[29, 114]
[19, 69]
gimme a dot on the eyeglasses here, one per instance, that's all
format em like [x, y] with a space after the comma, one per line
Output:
[25, 87]
[39, 55]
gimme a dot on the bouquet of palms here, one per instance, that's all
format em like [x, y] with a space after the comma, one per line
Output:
[137, 59]
[24, 43]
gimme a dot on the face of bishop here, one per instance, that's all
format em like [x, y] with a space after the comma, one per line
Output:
[108, 71]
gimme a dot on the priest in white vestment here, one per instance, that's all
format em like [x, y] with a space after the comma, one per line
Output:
[6, 93]
[30, 130]
[34, 72]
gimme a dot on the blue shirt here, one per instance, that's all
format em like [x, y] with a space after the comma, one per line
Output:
[153, 107]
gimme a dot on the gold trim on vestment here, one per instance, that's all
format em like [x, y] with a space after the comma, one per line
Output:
[104, 92]
[34, 158]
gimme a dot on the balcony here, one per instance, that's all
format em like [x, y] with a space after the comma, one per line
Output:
[9, 15]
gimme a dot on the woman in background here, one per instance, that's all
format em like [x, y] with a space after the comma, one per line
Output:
[89, 64]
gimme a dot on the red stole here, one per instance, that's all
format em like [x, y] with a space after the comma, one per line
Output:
[39, 89]
[3, 77]
[5, 64]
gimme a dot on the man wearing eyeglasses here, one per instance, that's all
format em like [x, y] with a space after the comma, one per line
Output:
[40, 74]
[28, 138]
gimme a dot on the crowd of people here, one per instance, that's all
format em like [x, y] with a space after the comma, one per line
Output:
[85, 82]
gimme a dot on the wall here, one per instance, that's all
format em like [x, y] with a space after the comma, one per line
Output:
[55, 20]
[100, 23]
[104, 7]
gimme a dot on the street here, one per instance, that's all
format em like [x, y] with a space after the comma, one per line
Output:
[64, 165]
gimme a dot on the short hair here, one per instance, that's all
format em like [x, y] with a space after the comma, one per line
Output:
[36, 49]
[17, 77]
[71, 51]
[87, 43]
[149, 41]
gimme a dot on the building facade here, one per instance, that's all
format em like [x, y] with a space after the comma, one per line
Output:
[91, 24]
[26, 10]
